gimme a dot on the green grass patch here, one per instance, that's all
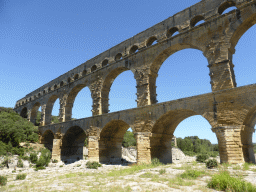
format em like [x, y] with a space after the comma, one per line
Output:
[224, 182]
[180, 182]
[149, 175]
[3, 180]
[21, 176]
[192, 174]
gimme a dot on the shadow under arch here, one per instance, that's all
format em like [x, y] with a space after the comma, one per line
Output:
[72, 148]
[49, 107]
[71, 99]
[47, 139]
[162, 133]
[108, 81]
[34, 111]
[24, 112]
[110, 142]
[246, 135]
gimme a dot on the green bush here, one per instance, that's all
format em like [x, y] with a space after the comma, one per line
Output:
[20, 163]
[21, 176]
[44, 159]
[189, 153]
[93, 165]
[213, 153]
[55, 161]
[3, 180]
[129, 139]
[191, 174]
[224, 182]
[162, 171]
[211, 163]
[202, 157]
[39, 168]
[33, 157]
[25, 158]
[155, 162]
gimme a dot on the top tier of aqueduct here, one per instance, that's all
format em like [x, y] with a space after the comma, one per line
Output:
[182, 22]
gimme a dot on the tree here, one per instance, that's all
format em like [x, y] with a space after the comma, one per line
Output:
[129, 139]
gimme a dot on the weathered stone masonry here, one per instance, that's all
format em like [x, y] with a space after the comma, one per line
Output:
[231, 111]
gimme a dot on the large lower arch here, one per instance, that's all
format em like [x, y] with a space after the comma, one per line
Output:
[47, 139]
[48, 110]
[71, 99]
[73, 144]
[110, 142]
[162, 133]
[34, 111]
[246, 136]
[107, 85]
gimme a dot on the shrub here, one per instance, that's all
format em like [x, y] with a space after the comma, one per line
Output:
[189, 153]
[20, 163]
[162, 171]
[202, 157]
[55, 161]
[156, 162]
[39, 168]
[21, 176]
[61, 165]
[224, 182]
[33, 157]
[191, 174]
[211, 163]
[93, 165]
[25, 158]
[213, 153]
[129, 139]
[3, 180]
[44, 159]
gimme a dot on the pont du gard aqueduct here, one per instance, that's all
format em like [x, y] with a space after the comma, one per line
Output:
[230, 110]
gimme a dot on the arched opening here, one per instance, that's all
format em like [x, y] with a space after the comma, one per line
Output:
[248, 137]
[73, 143]
[104, 63]
[55, 86]
[76, 77]
[79, 102]
[123, 91]
[134, 49]
[24, 112]
[52, 110]
[244, 57]
[110, 143]
[61, 83]
[47, 139]
[84, 72]
[82, 104]
[43, 92]
[69, 80]
[39, 94]
[34, 113]
[151, 41]
[49, 89]
[118, 56]
[172, 32]
[182, 121]
[30, 99]
[197, 20]
[226, 7]
[94, 67]
[182, 74]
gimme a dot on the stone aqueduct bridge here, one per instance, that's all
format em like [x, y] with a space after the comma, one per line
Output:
[230, 110]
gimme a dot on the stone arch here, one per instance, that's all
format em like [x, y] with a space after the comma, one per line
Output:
[69, 80]
[195, 20]
[76, 77]
[49, 107]
[84, 72]
[61, 83]
[133, 49]
[70, 100]
[104, 63]
[34, 111]
[246, 135]
[24, 112]
[107, 85]
[72, 144]
[118, 56]
[55, 86]
[110, 142]
[225, 6]
[47, 139]
[162, 133]
[150, 41]
[171, 31]
[94, 68]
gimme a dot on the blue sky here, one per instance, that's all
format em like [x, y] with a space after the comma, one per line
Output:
[41, 40]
